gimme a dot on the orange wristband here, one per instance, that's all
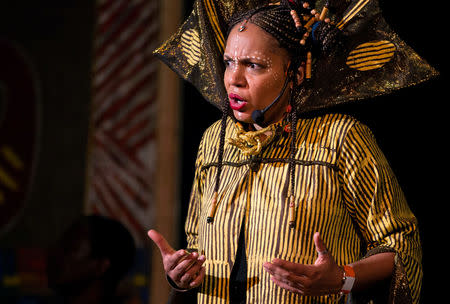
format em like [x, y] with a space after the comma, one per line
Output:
[348, 279]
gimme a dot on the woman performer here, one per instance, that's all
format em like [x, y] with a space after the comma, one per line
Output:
[292, 205]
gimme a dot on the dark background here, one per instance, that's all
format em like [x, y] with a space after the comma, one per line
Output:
[55, 38]
[410, 126]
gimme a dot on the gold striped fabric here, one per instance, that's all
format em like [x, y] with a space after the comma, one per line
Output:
[352, 12]
[190, 46]
[213, 19]
[371, 55]
[344, 189]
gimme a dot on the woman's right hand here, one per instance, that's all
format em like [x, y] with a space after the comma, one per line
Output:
[183, 268]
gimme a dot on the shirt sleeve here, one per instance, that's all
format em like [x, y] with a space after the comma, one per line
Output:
[195, 202]
[379, 209]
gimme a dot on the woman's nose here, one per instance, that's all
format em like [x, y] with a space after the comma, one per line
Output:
[235, 76]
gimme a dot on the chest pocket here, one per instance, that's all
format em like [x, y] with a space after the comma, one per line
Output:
[314, 154]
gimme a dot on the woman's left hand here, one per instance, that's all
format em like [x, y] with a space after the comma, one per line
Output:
[322, 278]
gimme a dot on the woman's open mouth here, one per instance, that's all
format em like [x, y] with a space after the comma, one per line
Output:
[236, 102]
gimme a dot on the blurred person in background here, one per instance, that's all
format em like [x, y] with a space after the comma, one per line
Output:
[89, 261]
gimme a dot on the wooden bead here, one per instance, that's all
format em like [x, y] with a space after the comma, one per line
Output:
[296, 18]
[310, 22]
[212, 212]
[305, 36]
[291, 211]
[308, 65]
[323, 13]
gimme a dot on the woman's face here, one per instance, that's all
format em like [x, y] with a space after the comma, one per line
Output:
[255, 71]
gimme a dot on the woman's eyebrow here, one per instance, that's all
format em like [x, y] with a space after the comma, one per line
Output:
[244, 60]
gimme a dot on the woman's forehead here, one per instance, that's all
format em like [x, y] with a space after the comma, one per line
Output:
[252, 41]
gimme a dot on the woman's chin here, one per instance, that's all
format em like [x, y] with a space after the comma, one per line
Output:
[243, 116]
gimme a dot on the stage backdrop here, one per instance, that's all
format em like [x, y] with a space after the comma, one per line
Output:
[121, 155]
[122, 151]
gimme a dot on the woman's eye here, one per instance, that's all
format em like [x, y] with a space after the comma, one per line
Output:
[254, 66]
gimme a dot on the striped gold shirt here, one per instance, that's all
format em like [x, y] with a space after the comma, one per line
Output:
[344, 189]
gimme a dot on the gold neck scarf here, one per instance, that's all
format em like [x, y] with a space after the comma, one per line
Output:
[252, 142]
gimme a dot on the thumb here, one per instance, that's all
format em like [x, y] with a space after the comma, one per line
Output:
[320, 246]
[161, 242]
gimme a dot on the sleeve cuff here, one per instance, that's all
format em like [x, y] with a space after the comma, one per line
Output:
[396, 289]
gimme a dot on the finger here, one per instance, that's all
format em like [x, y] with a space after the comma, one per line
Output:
[288, 286]
[274, 269]
[199, 279]
[284, 275]
[297, 288]
[186, 279]
[195, 267]
[298, 269]
[173, 260]
[161, 242]
[182, 267]
[191, 272]
[320, 245]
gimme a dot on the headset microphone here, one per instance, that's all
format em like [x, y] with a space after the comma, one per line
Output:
[258, 115]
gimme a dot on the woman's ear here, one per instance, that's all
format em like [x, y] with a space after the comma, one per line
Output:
[300, 73]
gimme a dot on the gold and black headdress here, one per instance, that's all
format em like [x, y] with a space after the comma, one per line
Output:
[372, 59]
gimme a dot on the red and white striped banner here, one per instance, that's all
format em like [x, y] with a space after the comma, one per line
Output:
[121, 162]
